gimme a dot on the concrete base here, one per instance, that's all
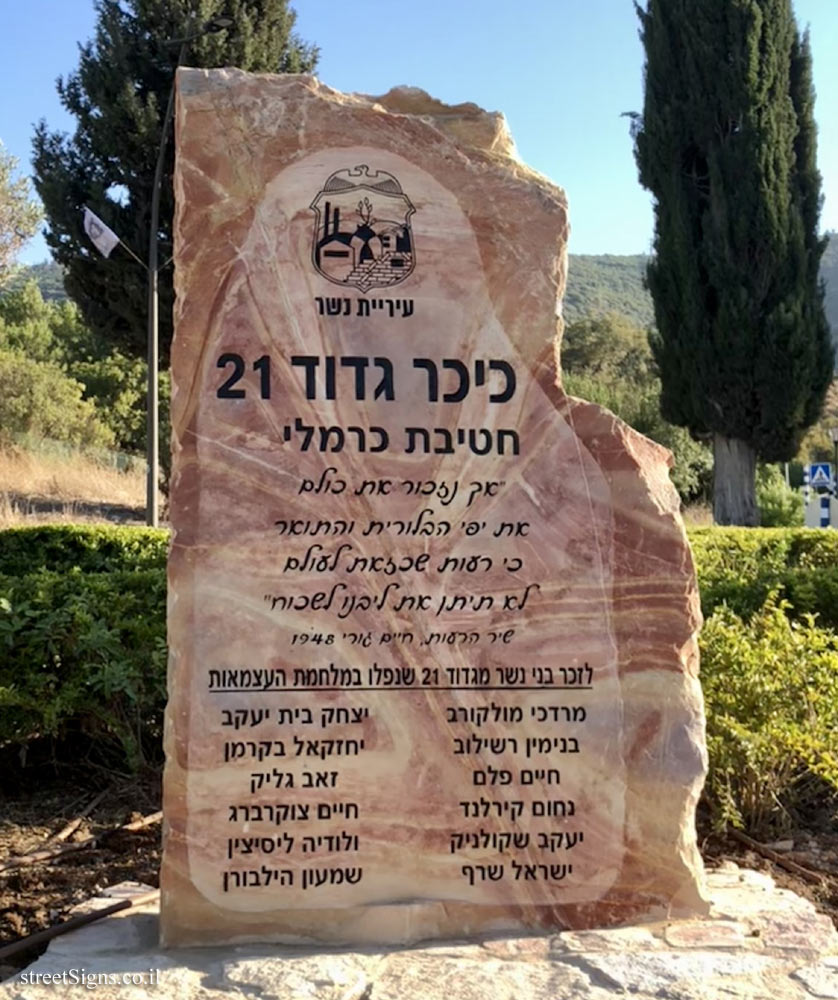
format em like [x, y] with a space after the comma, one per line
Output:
[759, 942]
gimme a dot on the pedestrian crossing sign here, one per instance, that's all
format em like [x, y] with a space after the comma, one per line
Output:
[820, 474]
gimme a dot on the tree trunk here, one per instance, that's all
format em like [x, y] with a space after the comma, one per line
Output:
[734, 482]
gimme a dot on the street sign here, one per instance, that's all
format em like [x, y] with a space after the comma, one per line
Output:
[820, 474]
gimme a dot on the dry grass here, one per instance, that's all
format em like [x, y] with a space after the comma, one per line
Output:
[42, 488]
[697, 515]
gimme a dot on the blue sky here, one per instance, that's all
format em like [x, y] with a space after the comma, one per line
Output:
[561, 70]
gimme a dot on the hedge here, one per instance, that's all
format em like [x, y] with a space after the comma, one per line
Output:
[740, 567]
[82, 639]
[84, 655]
[89, 548]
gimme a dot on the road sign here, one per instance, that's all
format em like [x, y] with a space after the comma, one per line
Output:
[820, 474]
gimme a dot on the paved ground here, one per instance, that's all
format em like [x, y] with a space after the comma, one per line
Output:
[760, 943]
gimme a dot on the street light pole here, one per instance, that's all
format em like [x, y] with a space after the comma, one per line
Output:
[152, 429]
[215, 24]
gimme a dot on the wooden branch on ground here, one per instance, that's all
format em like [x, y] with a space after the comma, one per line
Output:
[138, 824]
[74, 824]
[807, 874]
[59, 850]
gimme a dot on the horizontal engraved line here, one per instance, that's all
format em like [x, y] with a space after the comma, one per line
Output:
[416, 687]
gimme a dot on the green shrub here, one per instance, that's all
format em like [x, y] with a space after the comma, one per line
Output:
[771, 691]
[740, 567]
[779, 506]
[45, 330]
[38, 398]
[84, 655]
[25, 323]
[813, 548]
[89, 548]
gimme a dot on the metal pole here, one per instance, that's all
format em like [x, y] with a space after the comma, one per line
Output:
[153, 403]
[218, 23]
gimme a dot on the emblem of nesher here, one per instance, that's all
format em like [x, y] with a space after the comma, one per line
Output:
[362, 234]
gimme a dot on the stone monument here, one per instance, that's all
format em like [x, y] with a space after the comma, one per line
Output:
[432, 622]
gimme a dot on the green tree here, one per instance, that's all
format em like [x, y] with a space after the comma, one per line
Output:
[118, 96]
[609, 345]
[40, 339]
[39, 400]
[116, 385]
[43, 330]
[26, 323]
[726, 144]
[19, 215]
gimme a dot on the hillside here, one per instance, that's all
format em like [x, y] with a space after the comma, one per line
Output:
[49, 277]
[596, 284]
[607, 283]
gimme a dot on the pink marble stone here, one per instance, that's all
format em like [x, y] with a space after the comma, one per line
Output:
[432, 623]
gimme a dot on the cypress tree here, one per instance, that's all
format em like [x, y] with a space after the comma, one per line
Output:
[118, 96]
[726, 144]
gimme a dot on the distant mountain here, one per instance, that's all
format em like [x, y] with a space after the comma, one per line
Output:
[49, 276]
[606, 283]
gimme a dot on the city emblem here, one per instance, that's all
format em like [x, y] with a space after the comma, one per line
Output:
[362, 234]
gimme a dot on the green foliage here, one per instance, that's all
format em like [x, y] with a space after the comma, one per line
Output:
[83, 639]
[743, 347]
[740, 568]
[84, 548]
[83, 656]
[779, 506]
[53, 335]
[116, 385]
[607, 345]
[44, 330]
[39, 400]
[769, 670]
[19, 215]
[26, 323]
[118, 98]
[771, 692]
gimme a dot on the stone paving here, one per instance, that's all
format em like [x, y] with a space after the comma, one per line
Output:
[759, 943]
